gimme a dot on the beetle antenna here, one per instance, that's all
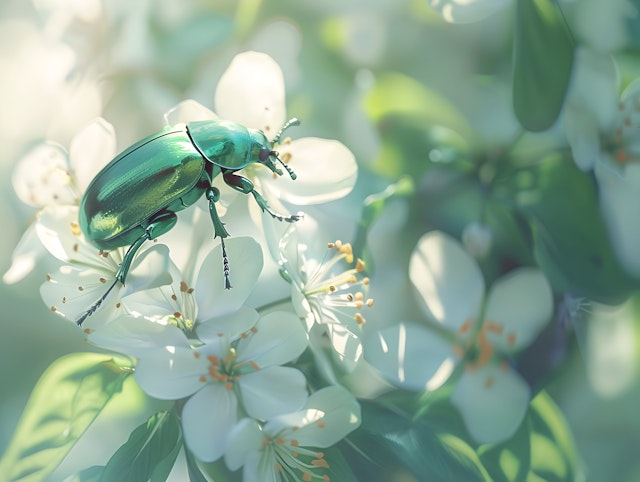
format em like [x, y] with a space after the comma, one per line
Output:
[291, 122]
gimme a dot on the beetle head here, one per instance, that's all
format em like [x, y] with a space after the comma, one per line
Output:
[266, 156]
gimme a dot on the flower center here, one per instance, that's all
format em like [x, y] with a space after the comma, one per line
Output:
[625, 147]
[292, 462]
[478, 350]
[343, 293]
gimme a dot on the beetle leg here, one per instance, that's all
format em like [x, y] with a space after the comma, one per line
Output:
[213, 195]
[245, 186]
[121, 274]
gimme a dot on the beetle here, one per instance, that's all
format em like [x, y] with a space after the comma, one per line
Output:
[136, 196]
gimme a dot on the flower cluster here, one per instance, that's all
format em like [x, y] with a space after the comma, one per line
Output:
[228, 363]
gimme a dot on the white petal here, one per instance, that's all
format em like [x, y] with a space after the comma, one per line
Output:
[231, 326]
[330, 415]
[207, 419]
[91, 149]
[135, 335]
[42, 177]
[447, 278]
[594, 87]
[619, 198]
[24, 256]
[492, 401]
[251, 92]
[150, 269]
[583, 136]
[71, 292]
[326, 170]
[188, 111]
[58, 231]
[171, 372]
[522, 303]
[346, 344]
[273, 391]
[279, 338]
[466, 11]
[245, 264]
[244, 438]
[411, 356]
[257, 469]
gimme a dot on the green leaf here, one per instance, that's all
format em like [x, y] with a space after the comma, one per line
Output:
[66, 400]
[150, 452]
[553, 455]
[543, 58]
[571, 243]
[195, 474]
[391, 442]
[90, 474]
[338, 466]
[509, 461]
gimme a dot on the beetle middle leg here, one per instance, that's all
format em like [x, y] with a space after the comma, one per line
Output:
[245, 186]
[160, 224]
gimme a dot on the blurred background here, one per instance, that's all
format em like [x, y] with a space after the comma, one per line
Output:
[361, 72]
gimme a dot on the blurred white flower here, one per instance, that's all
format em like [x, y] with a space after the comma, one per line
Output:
[285, 447]
[466, 11]
[602, 132]
[48, 175]
[480, 333]
[234, 376]
[328, 292]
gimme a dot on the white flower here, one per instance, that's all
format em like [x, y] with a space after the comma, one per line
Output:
[199, 309]
[251, 92]
[483, 334]
[226, 378]
[60, 180]
[88, 272]
[284, 448]
[601, 130]
[466, 11]
[328, 292]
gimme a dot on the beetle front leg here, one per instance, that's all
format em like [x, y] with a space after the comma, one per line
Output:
[150, 232]
[245, 186]
[213, 195]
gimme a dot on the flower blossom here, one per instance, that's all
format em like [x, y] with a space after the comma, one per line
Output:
[63, 177]
[482, 335]
[284, 448]
[236, 376]
[328, 292]
[601, 130]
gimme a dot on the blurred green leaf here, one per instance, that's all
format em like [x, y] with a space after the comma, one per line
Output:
[416, 126]
[338, 467]
[571, 243]
[543, 58]
[90, 474]
[150, 452]
[66, 400]
[509, 461]
[388, 439]
[553, 455]
[374, 204]
[195, 474]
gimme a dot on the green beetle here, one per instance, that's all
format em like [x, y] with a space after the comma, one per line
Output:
[136, 196]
